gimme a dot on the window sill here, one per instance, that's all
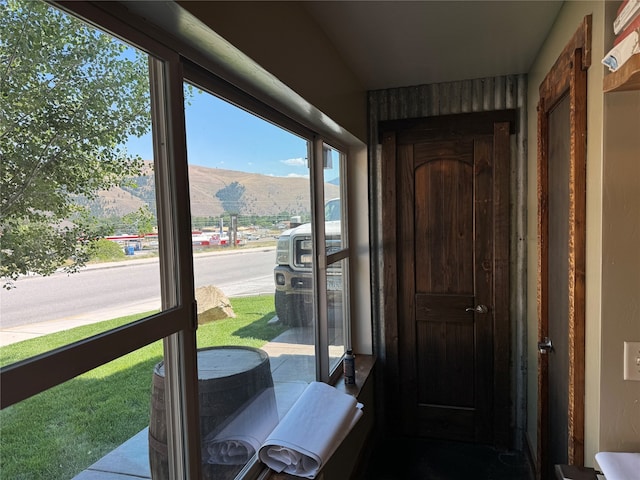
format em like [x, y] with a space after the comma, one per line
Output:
[364, 370]
[364, 367]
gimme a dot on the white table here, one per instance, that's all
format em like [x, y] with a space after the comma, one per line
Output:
[619, 465]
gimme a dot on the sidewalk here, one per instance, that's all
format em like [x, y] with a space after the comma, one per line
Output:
[12, 335]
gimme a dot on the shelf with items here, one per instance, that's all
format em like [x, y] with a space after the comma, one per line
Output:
[626, 78]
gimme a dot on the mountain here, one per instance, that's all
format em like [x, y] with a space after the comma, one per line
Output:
[262, 195]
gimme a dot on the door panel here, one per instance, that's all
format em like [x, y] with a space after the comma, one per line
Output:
[445, 363]
[558, 299]
[445, 366]
[443, 180]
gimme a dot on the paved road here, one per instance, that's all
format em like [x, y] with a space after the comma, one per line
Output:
[110, 290]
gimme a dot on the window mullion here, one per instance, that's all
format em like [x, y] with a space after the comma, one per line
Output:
[181, 377]
[320, 263]
[346, 275]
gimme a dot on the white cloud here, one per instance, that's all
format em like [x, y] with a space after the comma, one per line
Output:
[297, 175]
[295, 162]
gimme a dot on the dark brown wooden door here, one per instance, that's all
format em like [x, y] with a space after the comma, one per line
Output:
[453, 280]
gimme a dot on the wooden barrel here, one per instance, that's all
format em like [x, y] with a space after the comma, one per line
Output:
[228, 377]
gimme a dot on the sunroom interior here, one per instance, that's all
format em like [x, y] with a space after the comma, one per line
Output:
[347, 76]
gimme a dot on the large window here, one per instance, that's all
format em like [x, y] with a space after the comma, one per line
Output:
[249, 182]
[254, 229]
[129, 193]
[76, 203]
[90, 232]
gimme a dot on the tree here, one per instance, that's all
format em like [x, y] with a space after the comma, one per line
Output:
[71, 97]
[231, 197]
[141, 221]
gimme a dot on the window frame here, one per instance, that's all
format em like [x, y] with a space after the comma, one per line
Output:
[176, 325]
[61, 364]
[170, 66]
[322, 261]
[217, 86]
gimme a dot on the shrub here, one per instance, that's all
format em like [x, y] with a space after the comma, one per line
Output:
[104, 250]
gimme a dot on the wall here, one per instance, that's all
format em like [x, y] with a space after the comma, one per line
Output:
[283, 39]
[620, 399]
[360, 266]
[570, 16]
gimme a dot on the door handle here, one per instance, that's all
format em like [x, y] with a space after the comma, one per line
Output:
[545, 345]
[477, 309]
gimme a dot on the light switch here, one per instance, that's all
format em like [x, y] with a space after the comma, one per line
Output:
[632, 361]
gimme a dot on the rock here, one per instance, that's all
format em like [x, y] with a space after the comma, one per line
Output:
[212, 305]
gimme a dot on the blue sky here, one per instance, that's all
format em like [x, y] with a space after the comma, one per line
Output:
[221, 135]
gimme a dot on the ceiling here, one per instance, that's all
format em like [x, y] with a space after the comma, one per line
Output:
[401, 43]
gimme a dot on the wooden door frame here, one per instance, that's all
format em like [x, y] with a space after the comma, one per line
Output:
[439, 127]
[567, 77]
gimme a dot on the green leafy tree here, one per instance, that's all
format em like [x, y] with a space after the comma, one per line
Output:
[141, 221]
[231, 197]
[70, 98]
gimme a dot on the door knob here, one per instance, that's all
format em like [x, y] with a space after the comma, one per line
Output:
[477, 309]
[545, 345]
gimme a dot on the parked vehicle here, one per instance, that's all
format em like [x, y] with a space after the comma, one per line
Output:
[293, 270]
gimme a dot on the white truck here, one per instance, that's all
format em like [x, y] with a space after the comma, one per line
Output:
[293, 275]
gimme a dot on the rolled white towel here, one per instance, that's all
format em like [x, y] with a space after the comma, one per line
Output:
[232, 451]
[241, 436]
[311, 431]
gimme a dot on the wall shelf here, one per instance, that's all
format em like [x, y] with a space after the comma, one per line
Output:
[626, 78]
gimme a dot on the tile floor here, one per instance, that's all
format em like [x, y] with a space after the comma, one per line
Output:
[405, 458]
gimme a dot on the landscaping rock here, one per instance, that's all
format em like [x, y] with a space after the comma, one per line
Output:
[213, 305]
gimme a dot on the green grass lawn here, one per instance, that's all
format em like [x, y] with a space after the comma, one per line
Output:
[60, 432]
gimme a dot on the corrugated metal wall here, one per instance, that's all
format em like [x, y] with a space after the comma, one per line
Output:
[479, 95]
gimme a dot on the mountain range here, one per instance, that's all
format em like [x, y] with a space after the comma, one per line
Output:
[262, 194]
